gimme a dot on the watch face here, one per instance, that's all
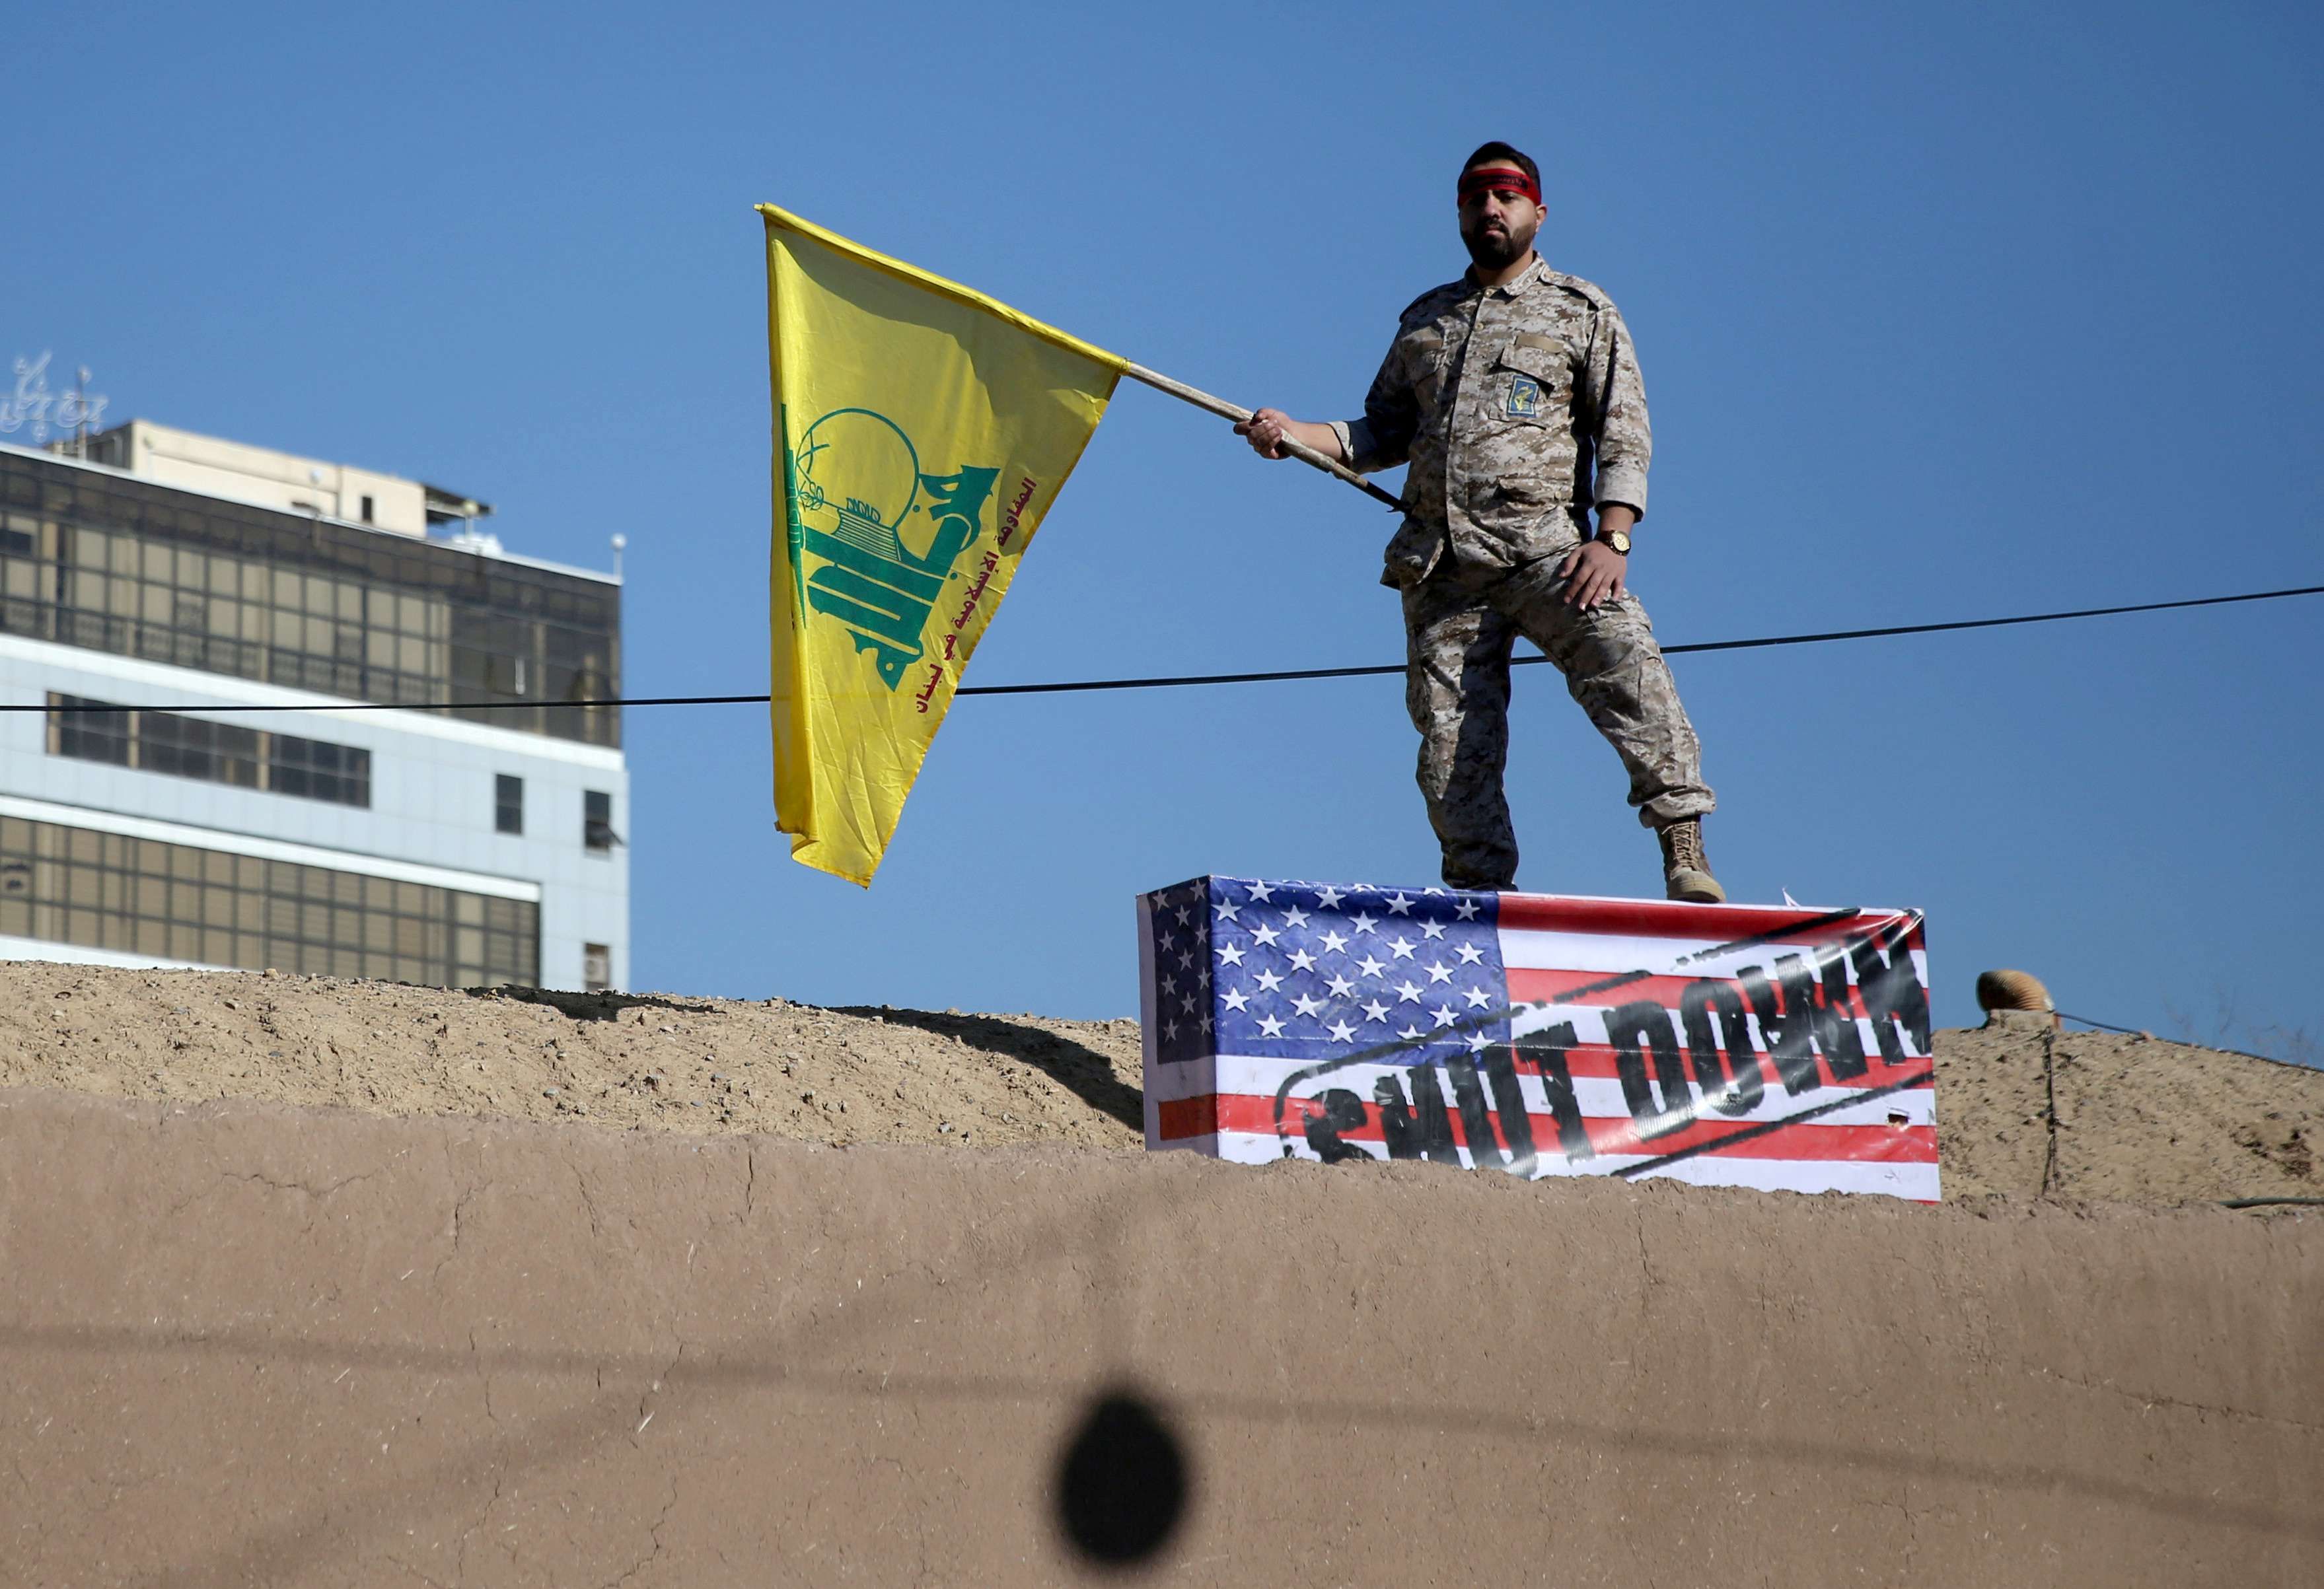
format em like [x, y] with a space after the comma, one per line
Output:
[1620, 540]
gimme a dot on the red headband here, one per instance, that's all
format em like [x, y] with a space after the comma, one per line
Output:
[1498, 179]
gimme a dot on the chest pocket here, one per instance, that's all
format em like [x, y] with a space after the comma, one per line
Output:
[1533, 379]
[1423, 355]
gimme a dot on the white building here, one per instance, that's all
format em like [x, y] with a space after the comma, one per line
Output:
[460, 844]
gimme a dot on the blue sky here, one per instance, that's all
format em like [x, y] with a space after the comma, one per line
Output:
[1944, 313]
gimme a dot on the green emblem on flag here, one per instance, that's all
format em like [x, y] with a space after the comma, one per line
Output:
[855, 493]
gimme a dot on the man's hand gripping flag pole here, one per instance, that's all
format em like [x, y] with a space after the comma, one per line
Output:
[921, 432]
[1291, 449]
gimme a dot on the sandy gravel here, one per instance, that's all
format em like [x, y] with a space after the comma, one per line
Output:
[2137, 1119]
[619, 1059]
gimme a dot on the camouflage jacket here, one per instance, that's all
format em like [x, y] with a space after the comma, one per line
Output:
[1505, 402]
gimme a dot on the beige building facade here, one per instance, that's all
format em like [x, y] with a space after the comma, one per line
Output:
[267, 478]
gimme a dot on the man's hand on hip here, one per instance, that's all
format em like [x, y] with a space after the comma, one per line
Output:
[1594, 573]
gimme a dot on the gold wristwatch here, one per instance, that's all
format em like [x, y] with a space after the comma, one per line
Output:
[1618, 540]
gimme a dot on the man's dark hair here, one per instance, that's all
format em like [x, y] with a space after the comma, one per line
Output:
[1487, 153]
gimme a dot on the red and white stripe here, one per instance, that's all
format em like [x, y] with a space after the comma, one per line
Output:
[1559, 952]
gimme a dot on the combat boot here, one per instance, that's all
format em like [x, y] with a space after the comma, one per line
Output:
[1686, 874]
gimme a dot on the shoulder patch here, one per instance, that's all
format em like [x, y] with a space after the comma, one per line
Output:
[1589, 292]
[1430, 296]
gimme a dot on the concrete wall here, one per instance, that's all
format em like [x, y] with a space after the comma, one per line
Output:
[241, 1344]
[272, 478]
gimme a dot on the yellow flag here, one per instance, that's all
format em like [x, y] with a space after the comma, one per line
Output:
[921, 432]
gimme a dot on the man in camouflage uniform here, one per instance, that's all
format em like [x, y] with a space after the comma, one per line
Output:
[1513, 394]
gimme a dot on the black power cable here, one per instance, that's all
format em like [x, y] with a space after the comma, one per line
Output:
[1072, 686]
[2241, 1054]
[1697, 648]
[2105, 1027]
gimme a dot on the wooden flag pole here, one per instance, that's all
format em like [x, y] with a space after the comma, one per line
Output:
[1227, 410]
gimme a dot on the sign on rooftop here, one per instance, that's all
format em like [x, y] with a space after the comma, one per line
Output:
[1540, 1034]
[30, 408]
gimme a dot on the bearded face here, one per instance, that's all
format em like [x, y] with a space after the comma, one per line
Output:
[1497, 228]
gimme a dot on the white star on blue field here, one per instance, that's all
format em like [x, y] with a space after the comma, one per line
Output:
[1316, 971]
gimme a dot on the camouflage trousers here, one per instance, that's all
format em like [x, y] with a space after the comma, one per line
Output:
[1459, 629]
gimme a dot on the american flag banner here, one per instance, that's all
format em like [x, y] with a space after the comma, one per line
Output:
[1540, 1034]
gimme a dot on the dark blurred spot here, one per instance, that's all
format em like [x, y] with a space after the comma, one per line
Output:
[1122, 1483]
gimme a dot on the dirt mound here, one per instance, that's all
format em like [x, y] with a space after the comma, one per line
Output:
[2136, 1119]
[621, 1059]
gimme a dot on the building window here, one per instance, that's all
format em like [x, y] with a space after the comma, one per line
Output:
[143, 570]
[598, 821]
[597, 967]
[508, 804]
[367, 509]
[190, 747]
[177, 902]
[214, 752]
[318, 770]
[87, 736]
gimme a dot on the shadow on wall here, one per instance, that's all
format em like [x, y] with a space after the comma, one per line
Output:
[1123, 1483]
[1076, 1067]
